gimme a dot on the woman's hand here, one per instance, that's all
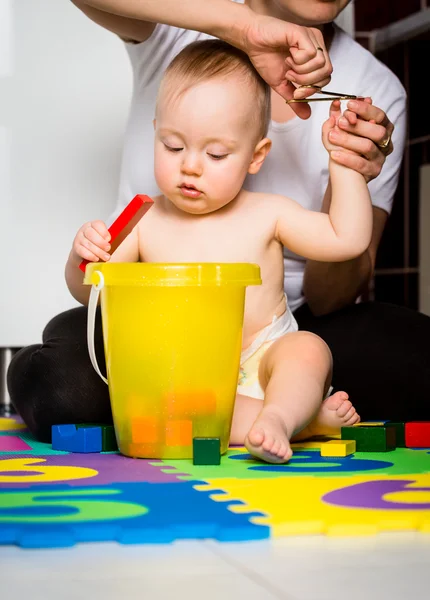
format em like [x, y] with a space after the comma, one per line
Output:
[285, 54]
[92, 242]
[363, 137]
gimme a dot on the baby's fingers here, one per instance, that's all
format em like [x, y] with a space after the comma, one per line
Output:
[335, 110]
[96, 232]
[89, 251]
[101, 229]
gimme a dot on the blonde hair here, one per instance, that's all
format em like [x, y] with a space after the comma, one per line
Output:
[209, 59]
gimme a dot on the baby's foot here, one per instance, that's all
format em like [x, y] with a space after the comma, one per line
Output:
[335, 412]
[268, 438]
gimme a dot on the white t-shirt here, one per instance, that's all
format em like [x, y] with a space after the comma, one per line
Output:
[297, 165]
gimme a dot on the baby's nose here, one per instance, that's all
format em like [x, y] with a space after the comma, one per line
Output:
[191, 164]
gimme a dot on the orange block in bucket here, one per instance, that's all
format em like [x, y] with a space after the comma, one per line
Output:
[191, 403]
[144, 430]
[179, 433]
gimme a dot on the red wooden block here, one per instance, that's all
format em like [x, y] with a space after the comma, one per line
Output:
[417, 434]
[124, 224]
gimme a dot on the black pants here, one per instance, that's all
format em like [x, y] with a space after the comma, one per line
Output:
[381, 358]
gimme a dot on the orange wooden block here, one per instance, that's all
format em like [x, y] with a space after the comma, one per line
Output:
[142, 450]
[179, 433]
[144, 430]
[191, 404]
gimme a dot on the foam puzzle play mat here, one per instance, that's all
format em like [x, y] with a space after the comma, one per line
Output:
[56, 498]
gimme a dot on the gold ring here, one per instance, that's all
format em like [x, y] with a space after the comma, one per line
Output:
[385, 143]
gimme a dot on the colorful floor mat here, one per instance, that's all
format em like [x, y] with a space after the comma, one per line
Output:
[52, 499]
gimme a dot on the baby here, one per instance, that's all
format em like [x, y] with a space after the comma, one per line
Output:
[212, 116]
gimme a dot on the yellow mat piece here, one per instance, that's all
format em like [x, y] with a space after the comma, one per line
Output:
[360, 505]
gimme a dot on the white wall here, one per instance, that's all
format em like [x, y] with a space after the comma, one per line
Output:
[65, 85]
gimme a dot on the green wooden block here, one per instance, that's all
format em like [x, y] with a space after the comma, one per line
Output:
[206, 451]
[371, 438]
[400, 433]
[109, 443]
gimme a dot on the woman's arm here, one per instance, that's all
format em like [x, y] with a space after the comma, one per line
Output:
[267, 41]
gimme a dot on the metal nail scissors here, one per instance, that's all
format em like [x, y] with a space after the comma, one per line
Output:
[331, 95]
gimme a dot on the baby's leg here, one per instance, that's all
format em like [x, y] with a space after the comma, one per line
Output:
[295, 374]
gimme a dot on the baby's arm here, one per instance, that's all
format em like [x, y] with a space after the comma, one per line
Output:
[92, 243]
[342, 234]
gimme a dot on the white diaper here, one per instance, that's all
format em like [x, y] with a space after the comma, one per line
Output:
[250, 359]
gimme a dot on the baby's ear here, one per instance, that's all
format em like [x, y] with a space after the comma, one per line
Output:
[261, 150]
[154, 123]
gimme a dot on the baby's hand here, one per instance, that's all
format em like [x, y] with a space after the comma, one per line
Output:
[92, 242]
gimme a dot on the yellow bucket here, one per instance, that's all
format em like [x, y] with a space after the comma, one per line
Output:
[172, 340]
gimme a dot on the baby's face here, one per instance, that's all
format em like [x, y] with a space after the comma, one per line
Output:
[204, 143]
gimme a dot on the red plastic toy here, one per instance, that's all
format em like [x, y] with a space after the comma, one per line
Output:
[123, 225]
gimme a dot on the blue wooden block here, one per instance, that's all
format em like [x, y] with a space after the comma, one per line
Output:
[69, 438]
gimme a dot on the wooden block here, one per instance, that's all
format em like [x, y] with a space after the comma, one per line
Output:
[371, 423]
[179, 433]
[417, 434]
[109, 443]
[191, 404]
[206, 451]
[338, 448]
[400, 433]
[127, 220]
[145, 430]
[371, 438]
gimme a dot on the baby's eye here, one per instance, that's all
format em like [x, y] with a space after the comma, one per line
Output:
[217, 156]
[172, 149]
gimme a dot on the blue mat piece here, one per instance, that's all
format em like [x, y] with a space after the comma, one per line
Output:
[59, 516]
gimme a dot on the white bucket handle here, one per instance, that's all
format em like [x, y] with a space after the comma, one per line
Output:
[91, 322]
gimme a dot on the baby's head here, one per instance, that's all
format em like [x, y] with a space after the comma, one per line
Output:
[212, 116]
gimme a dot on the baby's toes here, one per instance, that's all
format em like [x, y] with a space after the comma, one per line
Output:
[276, 447]
[355, 418]
[344, 408]
[285, 452]
[268, 442]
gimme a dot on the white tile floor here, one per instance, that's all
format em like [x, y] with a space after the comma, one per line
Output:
[383, 567]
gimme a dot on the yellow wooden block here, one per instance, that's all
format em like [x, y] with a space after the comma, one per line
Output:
[338, 448]
[7, 424]
[370, 424]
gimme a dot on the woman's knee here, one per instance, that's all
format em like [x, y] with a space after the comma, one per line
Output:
[70, 324]
[55, 383]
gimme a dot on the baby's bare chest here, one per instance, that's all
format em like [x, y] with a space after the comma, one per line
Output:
[237, 239]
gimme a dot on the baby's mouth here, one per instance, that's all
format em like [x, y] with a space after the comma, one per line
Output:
[189, 190]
